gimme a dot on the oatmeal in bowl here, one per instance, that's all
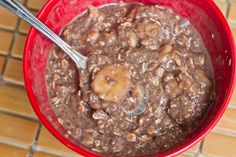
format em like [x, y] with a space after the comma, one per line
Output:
[148, 85]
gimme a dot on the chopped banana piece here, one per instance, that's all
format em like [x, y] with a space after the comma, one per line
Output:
[96, 14]
[133, 39]
[112, 82]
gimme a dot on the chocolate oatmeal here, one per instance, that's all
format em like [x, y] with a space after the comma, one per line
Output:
[138, 56]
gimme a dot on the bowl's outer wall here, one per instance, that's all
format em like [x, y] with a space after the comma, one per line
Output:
[204, 15]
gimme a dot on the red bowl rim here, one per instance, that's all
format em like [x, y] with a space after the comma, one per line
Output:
[46, 7]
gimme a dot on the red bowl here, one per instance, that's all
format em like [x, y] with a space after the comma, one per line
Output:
[203, 14]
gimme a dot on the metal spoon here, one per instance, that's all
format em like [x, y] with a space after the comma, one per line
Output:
[15, 7]
[141, 106]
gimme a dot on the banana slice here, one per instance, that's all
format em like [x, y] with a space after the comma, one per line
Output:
[112, 82]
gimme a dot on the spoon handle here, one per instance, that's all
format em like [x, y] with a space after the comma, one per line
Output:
[15, 7]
